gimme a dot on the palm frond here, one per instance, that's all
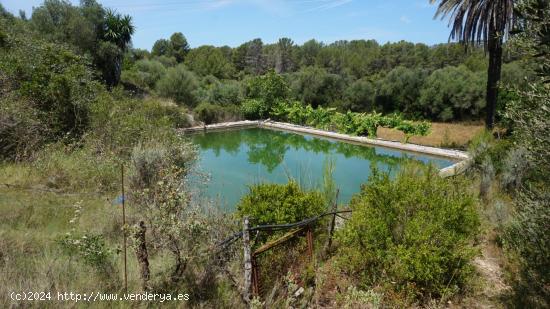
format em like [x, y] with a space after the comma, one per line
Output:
[474, 21]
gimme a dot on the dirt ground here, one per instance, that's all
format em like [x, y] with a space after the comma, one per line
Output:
[446, 135]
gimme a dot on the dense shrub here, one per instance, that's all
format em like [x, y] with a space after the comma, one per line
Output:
[359, 96]
[151, 158]
[144, 74]
[400, 90]
[225, 93]
[208, 60]
[453, 93]
[119, 123]
[208, 113]
[278, 204]
[269, 88]
[22, 131]
[211, 113]
[528, 237]
[413, 231]
[316, 86]
[55, 81]
[180, 85]
[254, 109]
[167, 62]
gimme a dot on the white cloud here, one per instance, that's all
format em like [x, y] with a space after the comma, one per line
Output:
[404, 19]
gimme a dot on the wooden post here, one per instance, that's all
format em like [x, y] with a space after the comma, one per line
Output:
[255, 277]
[247, 261]
[332, 224]
[124, 227]
[142, 255]
[309, 236]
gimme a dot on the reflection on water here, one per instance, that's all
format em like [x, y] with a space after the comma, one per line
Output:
[236, 158]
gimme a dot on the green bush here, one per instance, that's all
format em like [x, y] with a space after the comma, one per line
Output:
[268, 88]
[91, 248]
[413, 231]
[58, 84]
[144, 74]
[151, 158]
[254, 109]
[180, 85]
[278, 204]
[225, 94]
[22, 130]
[528, 236]
[208, 113]
[119, 123]
[316, 86]
[453, 93]
[359, 96]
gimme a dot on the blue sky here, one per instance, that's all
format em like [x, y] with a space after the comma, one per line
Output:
[232, 22]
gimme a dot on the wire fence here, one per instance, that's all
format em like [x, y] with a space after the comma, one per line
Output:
[281, 227]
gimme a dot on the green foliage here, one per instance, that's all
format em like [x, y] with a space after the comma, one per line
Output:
[528, 173]
[180, 85]
[278, 204]
[254, 109]
[528, 237]
[411, 129]
[414, 231]
[179, 46]
[400, 90]
[90, 248]
[359, 96]
[269, 88]
[151, 158]
[144, 74]
[453, 93]
[118, 123]
[209, 60]
[208, 113]
[102, 33]
[348, 123]
[225, 93]
[316, 86]
[211, 113]
[50, 90]
[184, 230]
[528, 118]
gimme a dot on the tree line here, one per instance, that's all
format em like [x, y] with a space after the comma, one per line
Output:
[444, 82]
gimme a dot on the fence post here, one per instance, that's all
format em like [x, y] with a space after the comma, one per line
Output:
[247, 261]
[332, 224]
[309, 236]
[255, 277]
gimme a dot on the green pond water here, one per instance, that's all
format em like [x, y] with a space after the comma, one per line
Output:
[235, 159]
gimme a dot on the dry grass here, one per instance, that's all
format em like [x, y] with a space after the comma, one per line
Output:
[446, 135]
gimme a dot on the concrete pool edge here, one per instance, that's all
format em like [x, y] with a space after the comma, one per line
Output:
[455, 169]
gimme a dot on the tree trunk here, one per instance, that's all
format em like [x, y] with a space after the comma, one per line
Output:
[142, 255]
[493, 74]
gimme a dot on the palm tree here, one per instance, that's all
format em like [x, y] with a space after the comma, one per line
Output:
[117, 30]
[486, 22]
